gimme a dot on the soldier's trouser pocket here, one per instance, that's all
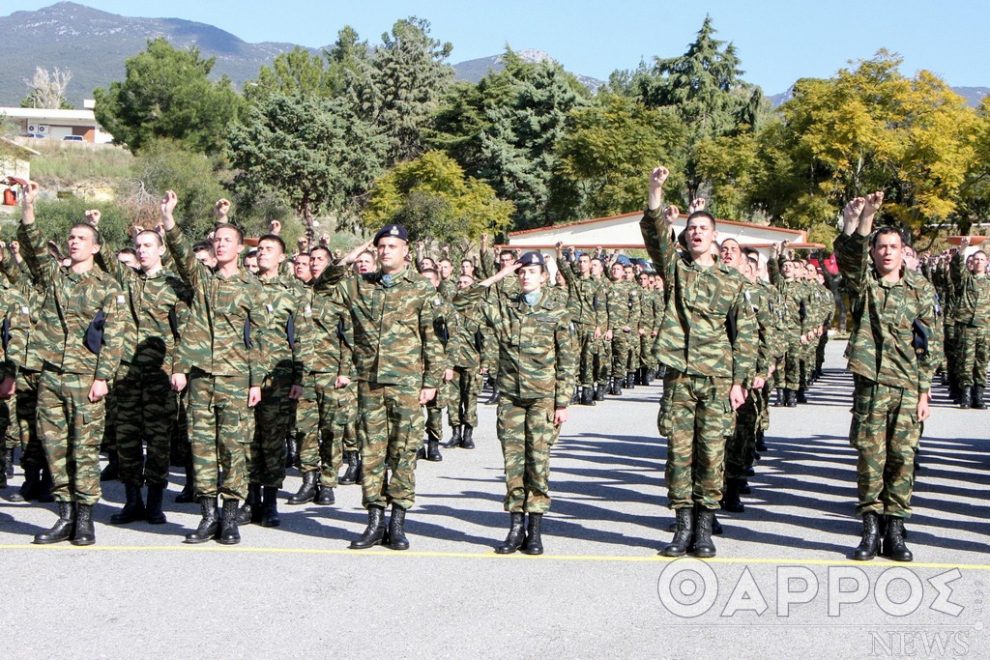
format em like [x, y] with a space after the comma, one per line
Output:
[862, 404]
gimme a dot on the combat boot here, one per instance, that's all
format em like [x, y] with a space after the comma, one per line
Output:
[29, 487]
[683, 531]
[455, 438]
[251, 511]
[630, 380]
[112, 471]
[188, 493]
[869, 545]
[397, 529]
[587, 396]
[229, 534]
[516, 535]
[134, 508]
[779, 401]
[433, 450]
[63, 527]
[350, 474]
[44, 492]
[600, 392]
[269, 507]
[965, 397]
[761, 443]
[325, 496]
[467, 437]
[893, 546]
[730, 498]
[291, 451]
[207, 528]
[374, 534]
[533, 545]
[494, 397]
[306, 492]
[84, 534]
[978, 397]
[789, 399]
[703, 548]
[801, 398]
[153, 509]
[576, 399]
[617, 386]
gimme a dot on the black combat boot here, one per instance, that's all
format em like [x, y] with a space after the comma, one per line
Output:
[576, 399]
[761, 443]
[789, 398]
[587, 396]
[600, 392]
[965, 397]
[153, 509]
[134, 508]
[978, 397]
[229, 534]
[251, 511]
[397, 529]
[801, 398]
[433, 450]
[467, 437]
[869, 545]
[517, 534]
[29, 487]
[188, 493]
[631, 380]
[533, 545]
[683, 531]
[306, 492]
[374, 534]
[325, 496]
[617, 386]
[291, 451]
[455, 438]
[208, 524]
[112, 471]
[730, 498]
[350, 474]
[893, 546]
[84, 534]
[269, 507]
[703, 548]
[63, 527]
[494, 397]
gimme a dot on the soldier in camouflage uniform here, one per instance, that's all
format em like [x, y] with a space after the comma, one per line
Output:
[537, 356]
[972, 321]
[219, 360]
[708, 341]
[892, 352]
[582, 290]
[444, 325]
[280, 326]
[465, 357]
[146, 405]
[15, 323]
[601, 348]
[398, 363]
[80, 343]
[623, 319]
[323, 411]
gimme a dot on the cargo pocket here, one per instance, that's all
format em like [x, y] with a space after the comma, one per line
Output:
[89, 432]
[665, 418]
[860, 415]
[728, 418]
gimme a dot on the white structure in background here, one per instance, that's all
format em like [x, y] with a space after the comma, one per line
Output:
[621, 232]
[67, 125]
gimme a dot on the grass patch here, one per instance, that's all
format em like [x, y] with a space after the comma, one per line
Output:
[62, 164]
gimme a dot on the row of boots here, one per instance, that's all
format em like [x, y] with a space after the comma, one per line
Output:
[970, 397]
[74, 524]
[461, 436]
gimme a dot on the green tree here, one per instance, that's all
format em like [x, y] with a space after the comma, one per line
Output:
[433, 198]
[296, 72]
[56, 217]
[167, 93]
[314, 151]
[608, 150]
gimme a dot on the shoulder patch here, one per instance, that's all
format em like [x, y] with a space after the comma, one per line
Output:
[121, 300]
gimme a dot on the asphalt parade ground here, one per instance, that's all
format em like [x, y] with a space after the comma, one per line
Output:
[781, 585]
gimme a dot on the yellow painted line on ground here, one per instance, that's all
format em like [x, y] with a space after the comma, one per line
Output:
[435, 554]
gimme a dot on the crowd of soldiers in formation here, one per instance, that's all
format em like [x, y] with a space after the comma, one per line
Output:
[236, 364]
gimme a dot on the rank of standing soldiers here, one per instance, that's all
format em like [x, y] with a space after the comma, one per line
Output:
[234, 366]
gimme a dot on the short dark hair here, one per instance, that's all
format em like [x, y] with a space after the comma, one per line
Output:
[885, 230]
[275, 238]
[322, 248]
[157, 236]
[428, 271]
[96, 232]
[126, 250]
[229, 225]
[701, 214]
[202, 245]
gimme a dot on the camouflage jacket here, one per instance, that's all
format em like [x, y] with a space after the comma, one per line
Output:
[282, 324]
[581, 291]
[972, 305]
[708, 329]
[394, 339]
[536, 347]
[883, 315]
[70, 305]
[623, 304]
[150, 318]
[15, 326]
[325, 345]
[220, 336]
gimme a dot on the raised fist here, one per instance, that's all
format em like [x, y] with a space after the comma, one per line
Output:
[658, 176]
[93, 217]
[671, 214]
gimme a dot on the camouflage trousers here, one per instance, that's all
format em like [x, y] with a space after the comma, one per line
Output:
[349, 403]
[695, 417]
[973, 355]
[645, 357]
[885, 432]
[794, 365]
[740, 447]
[181, 451]
[526, 432]
[623, 344]
[390, 431]
[434, 414]
[586, 363]
[146, 409]
[273, 417]
[950, 357]
[602, 353]
[11, 433]
[221, 428]
[70, 428]
[462, 397]
[32, 452]
[321, 416]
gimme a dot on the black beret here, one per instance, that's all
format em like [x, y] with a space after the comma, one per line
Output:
[397, 231]
[531, 259]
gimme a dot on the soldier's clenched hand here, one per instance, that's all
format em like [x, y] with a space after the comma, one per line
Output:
[559, 416]
[296, 392]
[178, 382]
[426, 395]
[254, 396]
[737, 396]
[97, 390]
